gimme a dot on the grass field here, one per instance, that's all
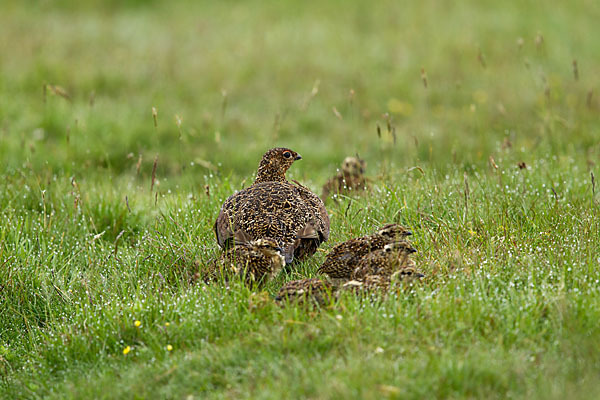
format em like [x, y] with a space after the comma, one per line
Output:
[462, 92]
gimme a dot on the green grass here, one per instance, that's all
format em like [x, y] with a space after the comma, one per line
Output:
[511, 301]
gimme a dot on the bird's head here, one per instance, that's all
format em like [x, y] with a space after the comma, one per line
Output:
[407, 274]
[269, 248]
[393, 232]
[401, 246]
[275, 163]
[354, 166]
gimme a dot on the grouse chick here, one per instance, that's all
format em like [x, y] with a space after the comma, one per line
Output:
[256, 261]
[274, 208]
[407, 274]
[382, 283]
[311, 290]
[343, 259]
[385, 261]
[350, 178]
[368, 284]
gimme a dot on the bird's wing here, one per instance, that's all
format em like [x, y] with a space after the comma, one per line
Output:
[241, 237]
[318, 207]
[309, 231]
[223, 229]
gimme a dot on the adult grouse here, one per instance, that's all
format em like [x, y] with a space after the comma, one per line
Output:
[272, 207]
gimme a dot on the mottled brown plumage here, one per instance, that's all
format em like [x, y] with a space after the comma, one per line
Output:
[272, 207]
[407, 274]
[310, 236]
[257, 261]
[368, 284]
[274, 164]
[343, 259]
[311, 290]
[385, 261]
[350, 178]
[373, 283]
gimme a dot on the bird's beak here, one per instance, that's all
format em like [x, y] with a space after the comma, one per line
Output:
[298, 157]
[279, 249]
[419, 275]
[413, 250]
[408, 233]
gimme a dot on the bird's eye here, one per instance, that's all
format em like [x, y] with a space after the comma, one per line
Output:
[287, 154]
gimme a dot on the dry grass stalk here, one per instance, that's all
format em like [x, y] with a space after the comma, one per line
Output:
[313, 93]
[493, 163]
[481, 59]
[138, 165]
[155, 116]
[337, 113]
[58, 91]
[154, 173]
[223, 104]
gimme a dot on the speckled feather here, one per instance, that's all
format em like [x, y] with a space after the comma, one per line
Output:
[272, 207]
[351, 178]
[311, 290]
[373, 283]
[343, 259]
[386, 261]
[368, 284]
[258, 261]
[317, 228]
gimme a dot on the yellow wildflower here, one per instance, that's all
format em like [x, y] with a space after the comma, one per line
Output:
[169, 347]
[126, 350]
[137, 323]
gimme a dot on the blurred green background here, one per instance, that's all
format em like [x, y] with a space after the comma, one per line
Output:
[316, 76]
